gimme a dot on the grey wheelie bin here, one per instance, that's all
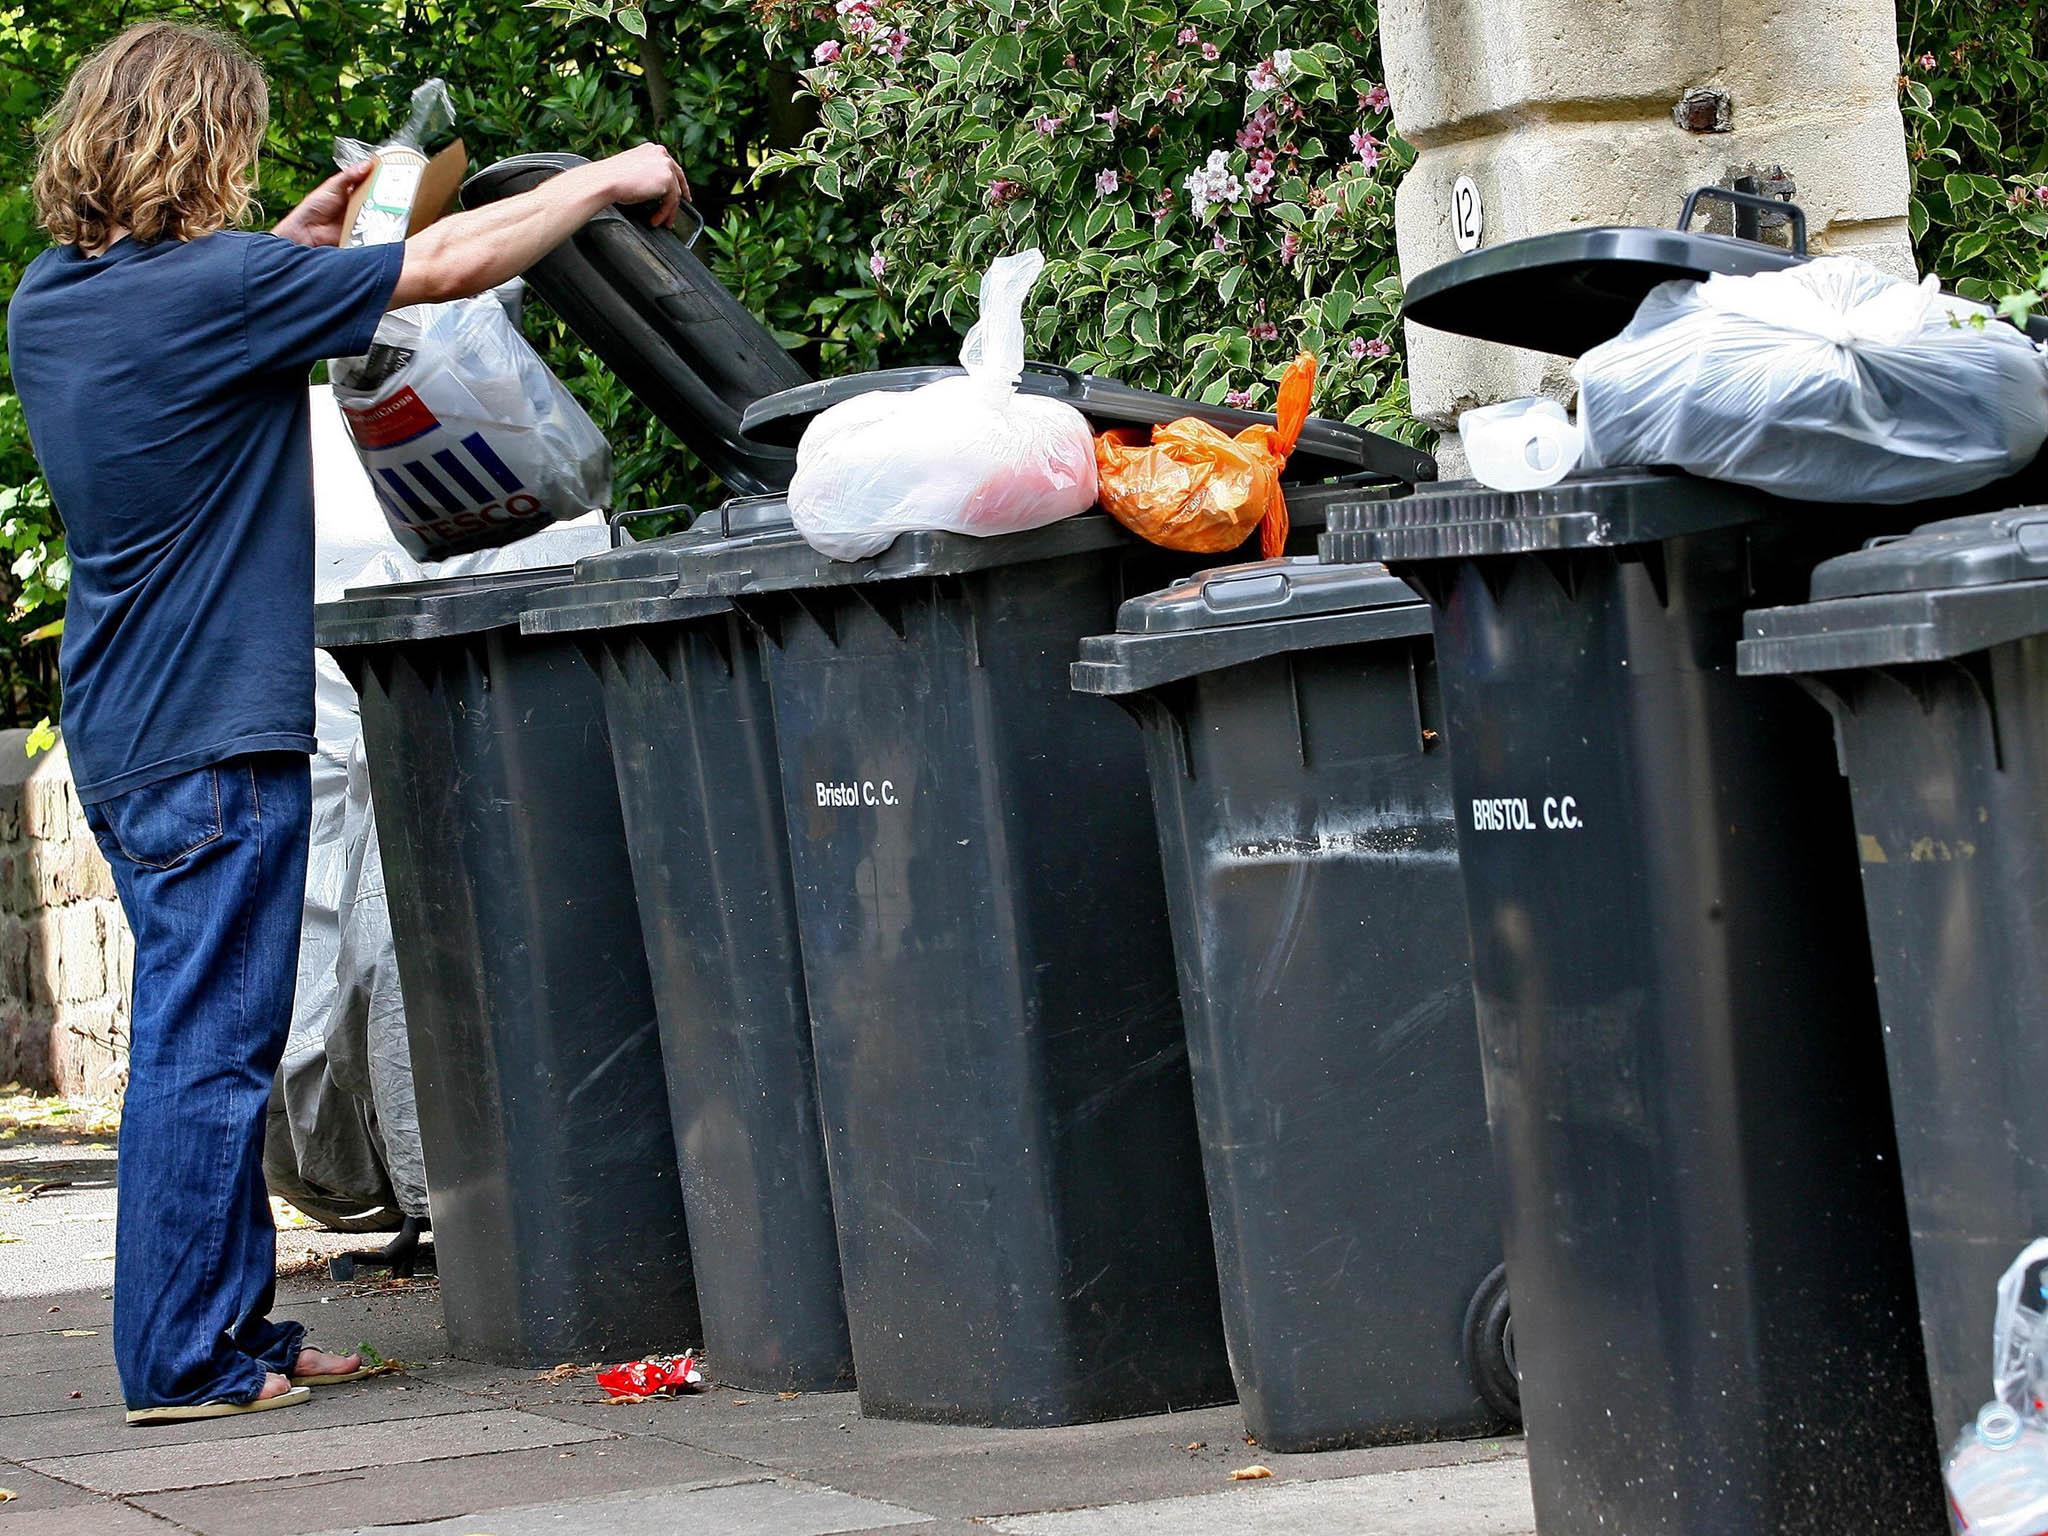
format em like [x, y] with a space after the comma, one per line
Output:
[686, 699]
[557, 1211]
[1931, 654]
[1000, 1060]
[1705, 1230]
[1301, 782]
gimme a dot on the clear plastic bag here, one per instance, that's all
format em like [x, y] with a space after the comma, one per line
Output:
[964, 455]
[1828, 381]
[1997, 1468]
[469, 439]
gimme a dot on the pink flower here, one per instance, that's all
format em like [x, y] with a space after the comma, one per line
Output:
[878, 264]
[1259, 178]
[1112, 117]
[1926, 61]
[1262, 77]
[1211, 52]
[2041, 194]
[1377, 99]
[1290, 248]
[1174, 95]
[1221, 242]
[1238, 399]
[858, 24]
[847, 7]
[1357, 349]
[1106, 183]
[1377, 348]
[826, 52]
[1002, 190]
[898, 40]
[1367, 148]
[1188, 37]
[1264, 330]
[1049, 126]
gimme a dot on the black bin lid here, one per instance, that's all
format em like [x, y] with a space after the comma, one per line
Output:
[433, 609]
[1592, 509]
[1326, 450]
[641, 300]
[1946, 589]
[1569, 291]
[1240, 613]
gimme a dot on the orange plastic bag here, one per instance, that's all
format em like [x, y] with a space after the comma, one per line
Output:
[1198, 489]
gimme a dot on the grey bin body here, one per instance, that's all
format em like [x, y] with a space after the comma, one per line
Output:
[1929, 653]
[557, 1211]
[1000, 1059]
[1705, 1232]
[1302, 789]
[686, 698]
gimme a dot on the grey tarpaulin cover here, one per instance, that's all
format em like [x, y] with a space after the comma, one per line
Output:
[343, 1142]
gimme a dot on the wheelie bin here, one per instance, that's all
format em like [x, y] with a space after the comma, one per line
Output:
[693, 734]
[1301, 782]
[1705, 1230]
[1931, 654]
[557, 1211]
[1000, 1058]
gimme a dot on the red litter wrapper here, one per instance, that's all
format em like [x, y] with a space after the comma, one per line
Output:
[656, 1376]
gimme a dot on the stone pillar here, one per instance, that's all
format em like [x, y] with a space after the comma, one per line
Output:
[1575, 112]
[65, 952]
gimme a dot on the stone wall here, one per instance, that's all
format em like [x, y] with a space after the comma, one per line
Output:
[1567, 112]
[65, 952]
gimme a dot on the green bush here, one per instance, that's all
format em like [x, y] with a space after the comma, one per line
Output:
[1973, 81]
[1211, 181]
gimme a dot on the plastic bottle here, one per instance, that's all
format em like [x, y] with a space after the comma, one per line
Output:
[1998, 1476]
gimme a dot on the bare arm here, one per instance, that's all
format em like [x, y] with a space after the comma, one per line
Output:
[469, 253]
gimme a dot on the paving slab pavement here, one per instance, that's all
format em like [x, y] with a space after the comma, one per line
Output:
[446, 1447]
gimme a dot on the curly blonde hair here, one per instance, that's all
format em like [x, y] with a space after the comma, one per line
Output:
[157, 133]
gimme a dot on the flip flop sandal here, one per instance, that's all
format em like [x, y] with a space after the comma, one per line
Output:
[217, 1410]
[327, 1381]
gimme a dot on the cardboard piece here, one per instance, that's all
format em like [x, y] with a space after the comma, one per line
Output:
[408, 186]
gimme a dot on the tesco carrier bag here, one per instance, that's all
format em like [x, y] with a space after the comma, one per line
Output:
[468, 438]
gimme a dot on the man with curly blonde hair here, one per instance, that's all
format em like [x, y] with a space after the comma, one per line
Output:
[161, 355]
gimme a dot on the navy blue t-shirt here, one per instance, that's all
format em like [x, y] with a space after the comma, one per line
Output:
[165, 391]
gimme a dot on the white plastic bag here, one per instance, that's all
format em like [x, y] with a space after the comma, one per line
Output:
[964, 455]
[469, 439]
[1520, 445]
[1828, 381]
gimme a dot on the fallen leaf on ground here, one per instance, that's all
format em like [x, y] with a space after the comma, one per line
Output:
[8, 1495]
[562, 1372]
[1250, 1474]
[1195, 1445]
[787, 1397]
[741, 1402]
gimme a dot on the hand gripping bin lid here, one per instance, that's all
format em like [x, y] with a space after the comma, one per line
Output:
[693, 731]
[557, 1210]
[1678, 1029]
[1928, 651]
[640, 298]
[1302, 792]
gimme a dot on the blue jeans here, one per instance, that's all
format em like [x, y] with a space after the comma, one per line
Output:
[211, 867]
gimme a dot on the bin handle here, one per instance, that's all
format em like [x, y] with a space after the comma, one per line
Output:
[643, 213]
[616, 521]
[1754, 203]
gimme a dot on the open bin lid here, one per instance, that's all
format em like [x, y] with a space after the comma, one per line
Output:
[1242, 613]
[1569, 291]
[642, 301]
[1945, 590]
[1327, 449]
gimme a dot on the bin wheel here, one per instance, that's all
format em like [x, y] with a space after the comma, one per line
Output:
[1490, 1346]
